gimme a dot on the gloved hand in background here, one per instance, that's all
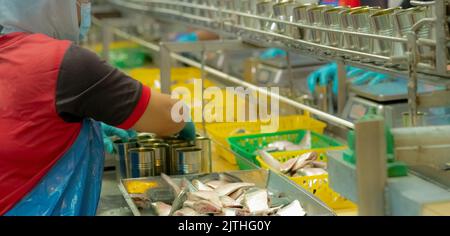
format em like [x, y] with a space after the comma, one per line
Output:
[186, 37]
[272, 53]
[109, 131]
[188, 132]
[328, 74]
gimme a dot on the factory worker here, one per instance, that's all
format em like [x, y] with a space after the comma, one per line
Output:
[51, 91]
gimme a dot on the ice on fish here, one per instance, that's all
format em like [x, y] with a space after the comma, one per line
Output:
[293, 209]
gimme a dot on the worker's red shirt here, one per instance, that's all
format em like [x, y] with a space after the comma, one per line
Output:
[47, 87]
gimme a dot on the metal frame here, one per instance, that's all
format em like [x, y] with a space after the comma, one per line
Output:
[417, 69]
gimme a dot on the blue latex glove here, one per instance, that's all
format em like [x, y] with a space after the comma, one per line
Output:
[372, 78]
[188, 132]
[187, 37]
[109, 131]
[272, 53]
[328, 74]
[323, 76]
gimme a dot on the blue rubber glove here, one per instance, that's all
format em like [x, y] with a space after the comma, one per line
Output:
[323, 76]
[188, 132]
[371, 78]
[328, 74]
[109, 131]
[272, 53]
[187, 37]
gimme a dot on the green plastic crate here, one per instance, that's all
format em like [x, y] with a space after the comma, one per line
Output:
[247, 145]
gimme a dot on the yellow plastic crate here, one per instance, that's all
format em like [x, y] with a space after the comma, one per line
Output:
[181, 77]
[317, 185]
[219, 132]
[98, 48]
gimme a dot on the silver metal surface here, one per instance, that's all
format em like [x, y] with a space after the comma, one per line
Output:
[142, 163]
[262, 178]
[425, 150]
[122, 157]
[371, 174]
[204, 144]
[188, 161]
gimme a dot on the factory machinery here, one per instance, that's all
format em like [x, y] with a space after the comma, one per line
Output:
[410, 44]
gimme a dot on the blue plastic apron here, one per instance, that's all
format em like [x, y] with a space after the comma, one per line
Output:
[72, 187]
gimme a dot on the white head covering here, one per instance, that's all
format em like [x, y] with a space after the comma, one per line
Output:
[55, 18]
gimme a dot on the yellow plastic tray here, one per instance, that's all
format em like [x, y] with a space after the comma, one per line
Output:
[317, 185]
[219, 132]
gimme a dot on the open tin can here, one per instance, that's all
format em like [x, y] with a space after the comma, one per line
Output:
[300, 15]
[383, 24]
[315, 18]
[331, 20]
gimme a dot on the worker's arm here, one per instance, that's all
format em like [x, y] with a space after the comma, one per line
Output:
[88, 87]
[162, 123]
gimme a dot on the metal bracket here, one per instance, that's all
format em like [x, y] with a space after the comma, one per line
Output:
[166, 48]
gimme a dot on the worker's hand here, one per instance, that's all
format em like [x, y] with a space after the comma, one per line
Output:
[186, 37]
[328, 74]
[272, 53]
[370, 78]
[323, 76]
[109, 131]
[188, 132]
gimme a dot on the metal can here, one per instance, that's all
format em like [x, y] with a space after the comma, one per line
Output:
[331, 20]
[382, 23]
[265, 9]
[122, 156]
[145, 136]
[315, 19]
[141, 162]
[420, 119]
[174, 145]
[149, 142]
[161, 157]
[281, 12]
[300, 15]
[249, 7]
[349, 41]
[189, 161]
[204, 143]
[361, 23]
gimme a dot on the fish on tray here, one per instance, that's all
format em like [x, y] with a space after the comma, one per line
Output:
[223, 195]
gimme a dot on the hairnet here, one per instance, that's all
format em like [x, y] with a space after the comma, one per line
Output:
[55, 18]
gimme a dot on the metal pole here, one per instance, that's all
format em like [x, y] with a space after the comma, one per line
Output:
[203, 78]
[165, 68]
[342, 86]
[412, 83]
[441, 36]
[371, 172]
